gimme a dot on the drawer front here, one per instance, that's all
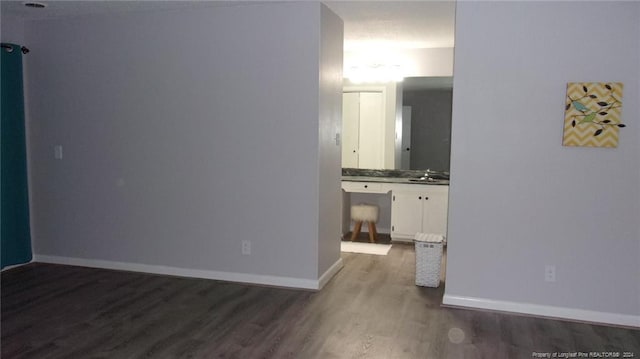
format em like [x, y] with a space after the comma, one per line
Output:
[364, 187]
[424, 189]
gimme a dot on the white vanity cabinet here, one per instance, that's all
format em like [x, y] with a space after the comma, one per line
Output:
[414, 207]
[418, 208]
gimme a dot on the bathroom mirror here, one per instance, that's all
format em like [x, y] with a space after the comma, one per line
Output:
[427, 101]
[413, 132]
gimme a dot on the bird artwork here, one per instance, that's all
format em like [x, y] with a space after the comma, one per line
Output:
[579, 106]
[593, 114]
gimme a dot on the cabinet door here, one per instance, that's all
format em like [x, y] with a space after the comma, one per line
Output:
[406, 214]
[434, 217]
[350, 129]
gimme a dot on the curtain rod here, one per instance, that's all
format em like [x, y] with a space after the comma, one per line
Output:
[9, 48]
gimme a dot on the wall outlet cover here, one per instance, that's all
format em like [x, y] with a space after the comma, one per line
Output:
[549, 273]
[246, 247]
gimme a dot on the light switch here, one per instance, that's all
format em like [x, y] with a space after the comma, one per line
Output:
[57, 152]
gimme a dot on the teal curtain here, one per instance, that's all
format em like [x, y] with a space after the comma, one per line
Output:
[15, 238]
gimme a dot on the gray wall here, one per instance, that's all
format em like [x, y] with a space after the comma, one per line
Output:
[12, 29]
[184, 132]
[330, 155]
[520, 200]
[430, 128]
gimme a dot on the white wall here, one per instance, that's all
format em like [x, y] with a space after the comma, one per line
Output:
[414, 62]
[429, 62]
[184, 132]
[520, 200]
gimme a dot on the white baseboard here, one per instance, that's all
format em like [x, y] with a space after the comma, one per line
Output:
[329, 273]
[15, 266]
[543, 310]
[278, 281]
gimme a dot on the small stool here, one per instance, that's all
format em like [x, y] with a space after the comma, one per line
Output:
[364, 213]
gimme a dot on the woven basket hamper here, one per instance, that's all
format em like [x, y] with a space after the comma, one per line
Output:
[428, 263]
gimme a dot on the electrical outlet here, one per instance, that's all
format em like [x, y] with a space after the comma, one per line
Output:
[246, 247]
[57, 152]
[549, 273]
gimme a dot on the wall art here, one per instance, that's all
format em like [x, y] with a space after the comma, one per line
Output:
[593, 114]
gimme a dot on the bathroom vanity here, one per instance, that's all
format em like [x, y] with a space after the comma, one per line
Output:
[416, 205]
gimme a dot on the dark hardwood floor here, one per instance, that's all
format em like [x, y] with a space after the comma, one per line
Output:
[371, 309]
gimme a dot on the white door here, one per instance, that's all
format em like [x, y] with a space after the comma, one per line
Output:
[405, 156]
[350, 129]
[371, 139]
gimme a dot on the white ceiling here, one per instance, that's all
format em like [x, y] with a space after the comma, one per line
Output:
[374, 31]
[403, 24]
[399, 24]
[65, 8]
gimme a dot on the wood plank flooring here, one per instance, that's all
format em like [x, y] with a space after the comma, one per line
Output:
[371, 309]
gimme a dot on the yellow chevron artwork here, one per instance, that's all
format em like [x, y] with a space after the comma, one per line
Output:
[593, 114]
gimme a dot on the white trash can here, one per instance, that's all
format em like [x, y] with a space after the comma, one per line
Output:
[428, 259]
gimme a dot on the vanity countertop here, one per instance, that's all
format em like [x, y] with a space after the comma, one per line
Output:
[396, 176]
[408, 180]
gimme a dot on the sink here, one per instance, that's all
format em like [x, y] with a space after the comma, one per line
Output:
[429, 180]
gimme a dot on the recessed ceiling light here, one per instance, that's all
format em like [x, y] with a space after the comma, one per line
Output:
[35, 5]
